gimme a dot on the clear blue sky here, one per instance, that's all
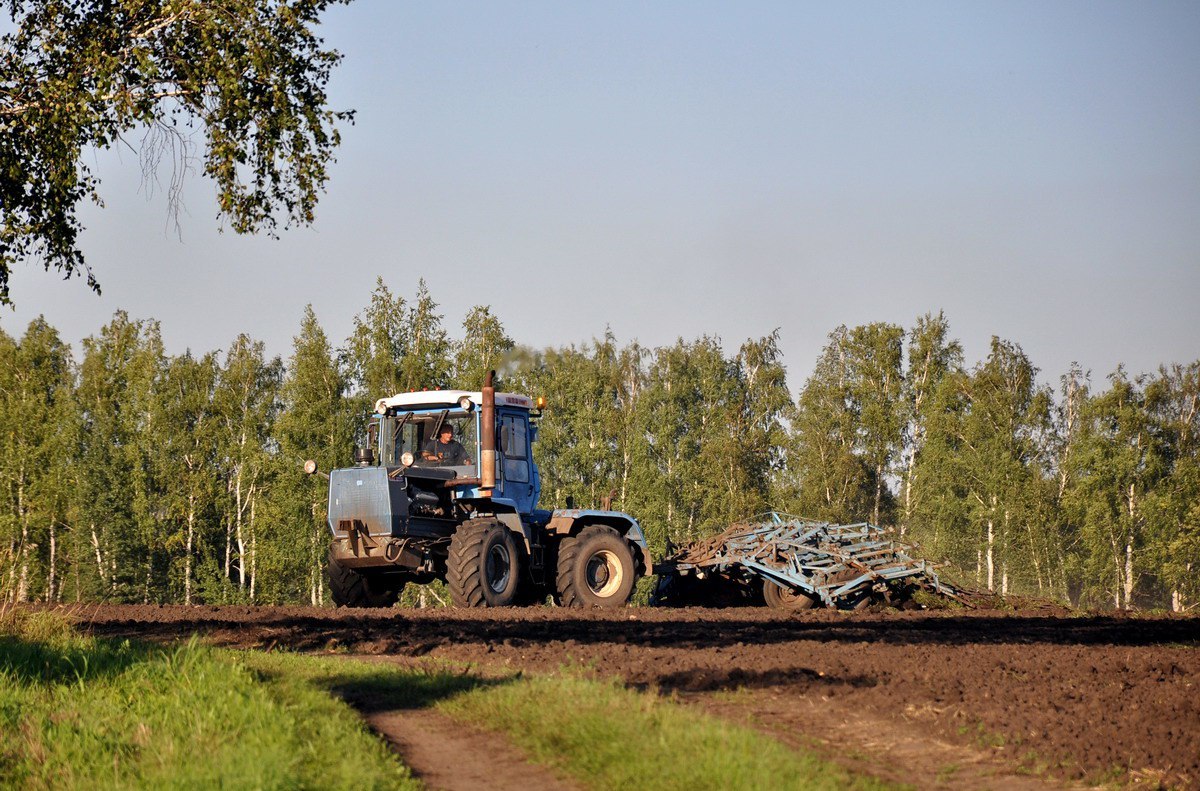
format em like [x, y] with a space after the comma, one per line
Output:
[674, 169]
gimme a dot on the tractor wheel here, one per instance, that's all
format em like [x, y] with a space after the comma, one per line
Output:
[595, 569]
[484, 566]
[781, 598]
[349, 588]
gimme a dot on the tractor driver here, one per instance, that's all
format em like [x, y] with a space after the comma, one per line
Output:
[444, 450]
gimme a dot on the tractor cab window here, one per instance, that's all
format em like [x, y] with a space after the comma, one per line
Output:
[418, 433]
[514, 443]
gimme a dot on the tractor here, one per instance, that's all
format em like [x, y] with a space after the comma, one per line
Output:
[415, 509]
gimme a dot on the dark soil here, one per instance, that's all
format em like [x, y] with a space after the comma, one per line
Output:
[1084, 697]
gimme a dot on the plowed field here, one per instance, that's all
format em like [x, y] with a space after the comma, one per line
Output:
[935, 698]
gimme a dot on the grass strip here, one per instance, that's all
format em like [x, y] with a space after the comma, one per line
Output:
[609, 736]
[599, 732]
[83, 713]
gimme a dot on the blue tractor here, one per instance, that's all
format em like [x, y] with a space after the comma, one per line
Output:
[447, 488]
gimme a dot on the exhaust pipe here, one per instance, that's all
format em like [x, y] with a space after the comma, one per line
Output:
[487, 439]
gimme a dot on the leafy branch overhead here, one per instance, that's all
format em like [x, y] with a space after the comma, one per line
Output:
[250, 76]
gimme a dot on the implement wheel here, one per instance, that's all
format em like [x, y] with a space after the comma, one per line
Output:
[349, 588]
[780, 598]
[484, 566]
[595, 569]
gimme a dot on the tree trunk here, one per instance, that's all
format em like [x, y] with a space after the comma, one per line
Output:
[52, 576]
[671, 497]
[228, 547]
[187, 558]
[316, 594]
[23, 547]
[1004, 551]
[1117, 562]
[991, 547]
[253, 546]
[11, 590]
[624, 472]
[99, 556]
[241, 542]
[1033, 553]
[878, 493]
[1129, 548]
[909, 477]
[1129, 573]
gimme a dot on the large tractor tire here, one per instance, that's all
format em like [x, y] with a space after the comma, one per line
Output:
[484, 566]
[778, 597]
[349, 588]
[595, 569]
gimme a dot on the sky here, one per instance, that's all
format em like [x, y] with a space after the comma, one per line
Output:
[673, 170]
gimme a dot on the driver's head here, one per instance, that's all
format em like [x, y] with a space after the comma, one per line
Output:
[446, 433]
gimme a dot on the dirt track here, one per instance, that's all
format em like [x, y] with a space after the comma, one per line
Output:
[947, 699]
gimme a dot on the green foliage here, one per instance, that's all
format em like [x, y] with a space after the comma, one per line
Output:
[685, 437]
[117, 514]
[932, 356]
[485, 347]
[1174, 507]
[1121, 460]
[375, 352]
[133, 475]
[984, 465]
[39, 420]
[85, 713]
[249, 75]
[316, 423]
[835, 480]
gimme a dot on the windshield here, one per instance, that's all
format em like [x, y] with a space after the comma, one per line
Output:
[414, 432]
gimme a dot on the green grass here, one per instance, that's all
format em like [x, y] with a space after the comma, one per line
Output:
[77, 712]
[597, 731]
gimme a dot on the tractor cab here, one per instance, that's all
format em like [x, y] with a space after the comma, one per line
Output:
[441, 430]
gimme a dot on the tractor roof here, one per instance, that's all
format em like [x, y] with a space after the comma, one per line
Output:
[447, 398]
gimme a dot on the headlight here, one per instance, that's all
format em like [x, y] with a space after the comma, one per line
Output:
[310, 467]
[465, 404]
[406, 459]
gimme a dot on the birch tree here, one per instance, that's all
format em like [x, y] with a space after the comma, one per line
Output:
[1175, 399]
[1119, 463]
[932, 356]
[427, 361]
[35, 402]
[185, 451]
[832, 480]
[484, 347]
[1006, 415]
[876, 386]
[316, 422]
[246, 77]
[115, 496]
[246, 404]
[374, 353]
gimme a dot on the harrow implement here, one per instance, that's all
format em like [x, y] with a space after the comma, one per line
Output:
[798, 564]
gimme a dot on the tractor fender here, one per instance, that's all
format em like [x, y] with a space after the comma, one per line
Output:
[568, 521]
[505, 512]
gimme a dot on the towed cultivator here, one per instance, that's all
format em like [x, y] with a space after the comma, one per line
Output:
[798, 564]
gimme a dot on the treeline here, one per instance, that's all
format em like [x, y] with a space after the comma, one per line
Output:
[132, 475]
